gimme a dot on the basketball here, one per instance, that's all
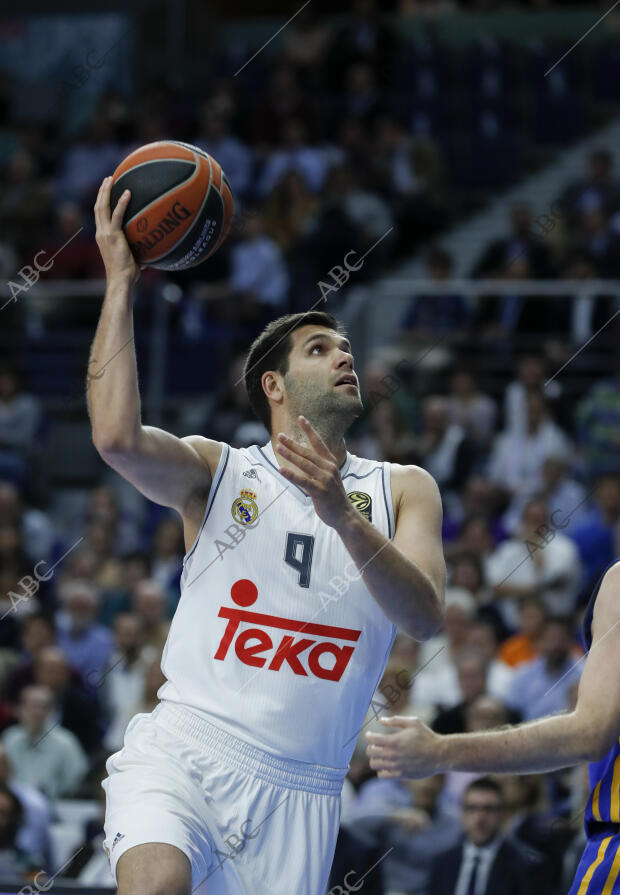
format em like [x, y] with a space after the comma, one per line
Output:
[181, 204]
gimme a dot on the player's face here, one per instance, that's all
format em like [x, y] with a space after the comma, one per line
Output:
[321, 381]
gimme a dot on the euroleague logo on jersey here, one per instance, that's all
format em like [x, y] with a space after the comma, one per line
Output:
[256, 646]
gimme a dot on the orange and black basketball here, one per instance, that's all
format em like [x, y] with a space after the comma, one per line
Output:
[181, 204]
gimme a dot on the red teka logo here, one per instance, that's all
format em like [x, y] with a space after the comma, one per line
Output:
[253, 641]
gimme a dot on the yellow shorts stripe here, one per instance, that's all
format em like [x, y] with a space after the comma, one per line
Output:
[596, 811]
[585, 882]
[613, 874]
[614, 807]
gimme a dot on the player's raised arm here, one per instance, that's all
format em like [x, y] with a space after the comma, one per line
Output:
[557, 741]
[175, 472]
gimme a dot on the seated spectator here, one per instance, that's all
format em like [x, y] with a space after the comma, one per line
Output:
[406, 819]
[287, 211]
[517, 456]
[79, 258]
[234, 156]
[524, 646]
[123, 681]
[294, 153]
[76, 706]
[167, 558]
[149, 604]
[443, 648]
[474, 682]
[476, 538]
[15, 863]
[538, 561]
[36, 527]
[597, 187]
[153, 680]
[33, 835]
[598, 535]
[99, 538]
[478, 499]
[483, 638]
[21, 421]
[598, 421]
[25, 199]
[598, 242]
[444, 314]
[486, 862]
[88, 161]
[565, 494]
[462, 680]
[542, 686]
[531, 376]
[86, 644]
[471, 409]
[37, 632]
[136, 567]
[42, 753]
[521, 243]
[443, 447]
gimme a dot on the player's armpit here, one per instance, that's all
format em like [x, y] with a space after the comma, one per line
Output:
[598, 698]
[174, 472]
[418, 523]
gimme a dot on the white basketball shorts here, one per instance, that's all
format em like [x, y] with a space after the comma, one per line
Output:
[250, 823]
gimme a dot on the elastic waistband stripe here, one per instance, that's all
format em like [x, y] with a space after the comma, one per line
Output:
[228, 748]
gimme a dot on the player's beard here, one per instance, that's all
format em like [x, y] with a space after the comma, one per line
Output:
[330, 412]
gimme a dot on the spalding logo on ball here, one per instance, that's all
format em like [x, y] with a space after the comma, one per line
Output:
[181, 204]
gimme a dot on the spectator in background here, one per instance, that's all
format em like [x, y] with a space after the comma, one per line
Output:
[478, 499]
[79, 258]
[531, 376]
[485, 862]
[442, 314]
[597, 188]
[233, 155]
[522, 243]
[562, 492]
[517, 457]
[597, 535]
[86, 644]
[25, 202]
[152, 682]
[471, 409]
[598, 425]
[76, 704]
[15, 864]
[167, 558]
[124, 680]
[294, 153]
[305, 42]
[88, 161]
[524, 646]
[443, 648]
[482, 637]
[21, 421]
[281, 100]
[598, 242]
[538, 561]
[136, 567]
[99, 538]
[149, 604]
[405, 817]
[542, 687]
[43, 754]
[288, 210]
[443, 447]
[36, 528]
[37, 632]
[33, 834]
[103, 507]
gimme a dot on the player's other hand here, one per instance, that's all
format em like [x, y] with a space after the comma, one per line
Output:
[317, 473]
[411, 751]
[115, 252]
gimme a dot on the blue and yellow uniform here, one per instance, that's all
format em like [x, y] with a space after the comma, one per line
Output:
[598, 872]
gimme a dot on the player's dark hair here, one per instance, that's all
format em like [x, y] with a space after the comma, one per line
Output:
[270, 351]
[485, 784]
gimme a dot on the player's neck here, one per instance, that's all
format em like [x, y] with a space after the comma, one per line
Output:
[335, 442]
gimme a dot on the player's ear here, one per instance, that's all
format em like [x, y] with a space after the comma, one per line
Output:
[273, 385]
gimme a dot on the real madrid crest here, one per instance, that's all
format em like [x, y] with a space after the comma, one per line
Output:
[244, 509]
[362, 502]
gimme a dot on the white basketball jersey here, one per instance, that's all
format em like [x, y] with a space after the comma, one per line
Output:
[276, 638]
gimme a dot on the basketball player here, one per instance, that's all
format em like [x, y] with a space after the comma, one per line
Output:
[589, 733]
[302, 560]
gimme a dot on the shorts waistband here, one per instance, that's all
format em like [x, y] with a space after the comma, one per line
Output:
[285, 772]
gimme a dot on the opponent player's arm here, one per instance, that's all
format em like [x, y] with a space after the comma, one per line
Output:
[557, 741]
[406, 575]
[171, 471]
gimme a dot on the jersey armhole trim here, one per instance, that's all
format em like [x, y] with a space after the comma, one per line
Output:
[387, 496]
[215, 484]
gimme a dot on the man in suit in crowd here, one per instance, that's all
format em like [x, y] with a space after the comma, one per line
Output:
[486, 863]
